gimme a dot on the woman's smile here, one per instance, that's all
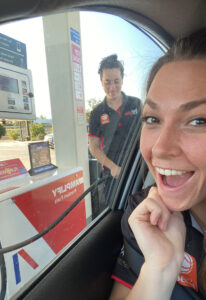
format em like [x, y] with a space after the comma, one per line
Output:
[174, 178]
[173, 138]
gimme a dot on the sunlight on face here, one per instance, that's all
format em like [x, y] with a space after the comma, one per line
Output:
[173, 139]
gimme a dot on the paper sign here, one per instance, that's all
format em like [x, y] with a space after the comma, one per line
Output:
[11, 168]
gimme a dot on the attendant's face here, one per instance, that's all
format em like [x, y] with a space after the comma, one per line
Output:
[112, 83]
[173, 139]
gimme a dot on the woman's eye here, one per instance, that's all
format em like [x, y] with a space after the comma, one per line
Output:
[149, 120]
[198, 122]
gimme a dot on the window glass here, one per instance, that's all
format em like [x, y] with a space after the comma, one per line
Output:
[111, 125]
[49, 86]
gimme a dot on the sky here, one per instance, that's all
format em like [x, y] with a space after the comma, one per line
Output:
[114, 35]
[101, 35]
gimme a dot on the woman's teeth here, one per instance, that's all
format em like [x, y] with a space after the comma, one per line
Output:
[169, 172]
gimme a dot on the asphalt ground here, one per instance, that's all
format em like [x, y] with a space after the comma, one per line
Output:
[17, 149]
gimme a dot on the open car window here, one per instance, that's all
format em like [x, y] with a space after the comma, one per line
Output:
[49, 85]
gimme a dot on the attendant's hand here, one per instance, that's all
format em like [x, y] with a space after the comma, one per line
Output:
[160, 234]
[115, 171]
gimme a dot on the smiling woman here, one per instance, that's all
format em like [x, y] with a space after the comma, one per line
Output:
[168, 220]
[169, 140]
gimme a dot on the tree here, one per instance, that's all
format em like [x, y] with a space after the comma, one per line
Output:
[2, 131]
[9, 123]
[13, 134]
[92, 103]
[37, 130]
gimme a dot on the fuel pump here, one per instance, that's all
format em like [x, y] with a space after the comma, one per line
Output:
[16, 87]
[16, 93]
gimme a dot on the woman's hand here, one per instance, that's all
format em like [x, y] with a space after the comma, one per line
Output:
[160, 234]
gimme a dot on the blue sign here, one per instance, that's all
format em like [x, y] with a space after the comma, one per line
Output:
[12, 51]
[75, 35]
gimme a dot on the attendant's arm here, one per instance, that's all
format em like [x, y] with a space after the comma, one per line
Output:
[94, 146]
[160, 235]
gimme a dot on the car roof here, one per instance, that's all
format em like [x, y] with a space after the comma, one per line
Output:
[166, 19]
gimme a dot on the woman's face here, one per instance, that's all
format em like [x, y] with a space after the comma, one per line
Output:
[173, 139]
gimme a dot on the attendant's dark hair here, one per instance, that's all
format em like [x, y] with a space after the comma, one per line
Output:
[187, 48]
[111, 62]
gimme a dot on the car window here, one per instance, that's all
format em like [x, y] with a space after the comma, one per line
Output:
[49, 84]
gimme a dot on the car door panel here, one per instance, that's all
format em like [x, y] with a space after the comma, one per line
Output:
[85, 271]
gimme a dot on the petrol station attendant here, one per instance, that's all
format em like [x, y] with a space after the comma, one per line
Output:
[111, 121]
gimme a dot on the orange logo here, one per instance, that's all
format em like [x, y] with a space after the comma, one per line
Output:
[104, 119]
[188, 272]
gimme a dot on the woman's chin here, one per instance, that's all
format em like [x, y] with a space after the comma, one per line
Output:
[175, 203]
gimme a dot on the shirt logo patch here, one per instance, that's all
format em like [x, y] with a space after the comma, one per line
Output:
[132, 112]
[188, 272]
[104, 119]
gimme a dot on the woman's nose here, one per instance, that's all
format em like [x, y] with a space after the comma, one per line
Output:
[167, 143]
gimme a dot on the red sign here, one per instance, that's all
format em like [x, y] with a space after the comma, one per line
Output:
[11, 168]
[45, 204]
[80, 109]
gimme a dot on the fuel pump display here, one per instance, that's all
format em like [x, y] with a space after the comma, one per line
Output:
[9, 84]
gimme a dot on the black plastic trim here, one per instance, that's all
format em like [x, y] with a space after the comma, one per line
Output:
[83, 271]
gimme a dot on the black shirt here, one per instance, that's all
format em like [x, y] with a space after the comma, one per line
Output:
[131, 258]
[114, 127]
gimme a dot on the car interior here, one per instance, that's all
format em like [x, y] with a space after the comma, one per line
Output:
[83, 269]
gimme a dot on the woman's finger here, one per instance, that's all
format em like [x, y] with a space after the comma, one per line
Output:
[152, 210]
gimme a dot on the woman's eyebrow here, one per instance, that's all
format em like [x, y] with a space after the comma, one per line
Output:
[150, 103]
[192, 104]
[183, 107]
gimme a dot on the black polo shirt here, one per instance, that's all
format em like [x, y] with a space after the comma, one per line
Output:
[131, 259]
[113, 127]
